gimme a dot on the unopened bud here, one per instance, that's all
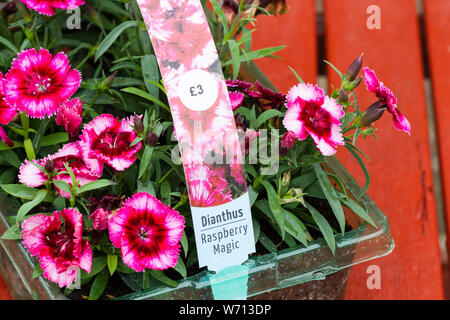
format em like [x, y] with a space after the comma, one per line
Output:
[138, 125]
[343, 96]
[372, 114]
[350, 86]
[49, 168]
[152, 139]
[354, 69]
[106, 84]
[287, 142]
[10, 8]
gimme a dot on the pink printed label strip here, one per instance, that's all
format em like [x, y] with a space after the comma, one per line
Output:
[206, 131]
[200, 104]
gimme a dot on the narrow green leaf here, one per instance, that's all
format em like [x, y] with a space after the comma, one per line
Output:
[160, 276]
[335, 69]
[357, 209]
[62, 185]
[145, 162]
[20, 191]
[185, 244]
[9, 45]
[324, 227]
[181, 268]
[12, 233]
[235, 57]
[299, 79]
[275, 206]
[266, 116]
[331, 195]
[267, 243]
[26, 207]
[355, 154]
[95, 185]
[112, 260]
[295, 227]
[54, 139]
[112, 37]
[150, 72]
[147, 96]
[99, 285]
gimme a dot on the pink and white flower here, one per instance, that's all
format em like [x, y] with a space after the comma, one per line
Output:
[32, 176]
[387, 98]
[38, 83]
[48, 7]
[7, 114]
[70, 116]
[100, 219]
[107, 139]
[59, 246]
[312, 113]
[147, 232]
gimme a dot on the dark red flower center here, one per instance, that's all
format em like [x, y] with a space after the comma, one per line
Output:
[316, 119]
[112, 143]
[74, 163]
[62, 244]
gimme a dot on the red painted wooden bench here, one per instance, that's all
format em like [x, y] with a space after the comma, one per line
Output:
[402, 182]
[400, 167]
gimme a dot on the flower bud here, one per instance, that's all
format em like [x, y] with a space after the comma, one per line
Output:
[287, 142]
[106, 84]
[49, 168]
[354, 69]
[343, 96]
[372, 114]
[9, 8]
[138, 125]
[350, 86]
[152, 139]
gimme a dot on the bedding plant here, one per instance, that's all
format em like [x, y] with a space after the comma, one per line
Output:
[87, 144]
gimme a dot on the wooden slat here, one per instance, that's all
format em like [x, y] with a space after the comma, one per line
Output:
[297, 30]
[437, 17]
[400, 167]
[4, 293]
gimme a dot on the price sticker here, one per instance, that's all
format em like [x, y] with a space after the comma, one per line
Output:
[198, 90]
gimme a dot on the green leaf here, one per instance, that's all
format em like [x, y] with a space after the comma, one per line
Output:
[55, 139]
[20, 191]
[29, 149]
[160, 276]
[355, 154]
[95, 185]
[145, 161]
[64, 186]
[99, 285]
[275, 206]
[146, 187]
[267, 243]
[266, 116]
[98, 264]
[185, 244]
[257, 54]
[26, 207]
[219, 12]
[37, 271]
[299, 79]
[112, 37]
[147, 96]
[335, 69]
[324, 227]
[9, 45]
[150, 73]
[357, 209]
[112, 260]
[12, 233]
[11, 157]
[181, 268]
[295, 227]
[235, 57]
[331, 195]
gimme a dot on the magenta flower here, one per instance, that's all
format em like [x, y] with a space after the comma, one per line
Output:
[59, 246]
[287, 142]
[7, 114]
[236, 99]
[70, 116]
[38, 83]
[387, 98]
[312, 113]
[107, 139]
[147, 232]
[32, 176]
[100, 219]
[48, 7]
